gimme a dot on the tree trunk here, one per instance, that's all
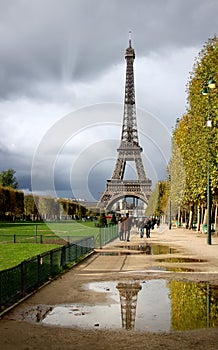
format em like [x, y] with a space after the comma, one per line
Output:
[216, 218]
[179, 216]
[205, 217]
[199, 218]
[191, 212]
[202, 213]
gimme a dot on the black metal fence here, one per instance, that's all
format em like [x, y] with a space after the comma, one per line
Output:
[20, 280]
[106, 235]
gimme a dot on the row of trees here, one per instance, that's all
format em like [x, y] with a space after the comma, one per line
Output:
[11, 203]
[195, 141]
[158, 201]
[194, 148]
[15, 205]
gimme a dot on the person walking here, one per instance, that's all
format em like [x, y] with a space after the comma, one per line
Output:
[141, 228]
[148, 227]
[127, 227]
[120, 229]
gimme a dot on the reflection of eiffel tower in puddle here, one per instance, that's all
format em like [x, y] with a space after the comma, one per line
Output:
[128, 300]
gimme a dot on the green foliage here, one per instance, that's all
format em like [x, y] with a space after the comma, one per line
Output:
[102, 220]
[113, 219]
[11, 203]
[8, 179]
[189, 303]
[194, 143]
[158, 200]
[30, 209]
[152, 203]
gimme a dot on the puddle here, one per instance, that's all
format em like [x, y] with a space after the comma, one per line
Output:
[179, 269]
[114, 253]
[181, 260]
[174, 269]
[150, 249]
[152, 305]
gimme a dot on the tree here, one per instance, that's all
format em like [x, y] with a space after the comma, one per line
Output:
[30, 207]
[195, 144]
[48, 208]
[11, 203]
[202, 108]
[113, 219]
[157, 204]
[102, 220]
[8, 179]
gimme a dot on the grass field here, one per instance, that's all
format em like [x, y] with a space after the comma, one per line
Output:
[69, 228]
[12, 254]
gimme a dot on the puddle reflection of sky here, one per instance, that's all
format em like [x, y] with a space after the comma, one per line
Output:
[152, 310]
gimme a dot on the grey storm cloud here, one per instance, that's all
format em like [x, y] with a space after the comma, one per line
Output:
[53, 41]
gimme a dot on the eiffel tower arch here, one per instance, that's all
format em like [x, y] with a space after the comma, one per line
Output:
[129, 150]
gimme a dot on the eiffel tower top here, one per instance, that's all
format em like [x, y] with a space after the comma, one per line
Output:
[130, 51]
[129, 136]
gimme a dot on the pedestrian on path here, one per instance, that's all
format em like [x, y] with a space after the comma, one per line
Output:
[148, 227]
[120, 229]
[127, 227]
[141, 229]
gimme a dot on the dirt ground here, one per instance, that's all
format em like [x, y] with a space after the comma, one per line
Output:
[18, 334]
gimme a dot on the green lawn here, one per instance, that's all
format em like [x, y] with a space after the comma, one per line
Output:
[13, 254]
[69, 228]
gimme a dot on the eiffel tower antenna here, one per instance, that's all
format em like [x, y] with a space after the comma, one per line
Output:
[129, 149]
[130, 36]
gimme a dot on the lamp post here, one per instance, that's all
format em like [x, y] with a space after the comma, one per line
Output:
[158, 201]
[170, 204]
[211, 84]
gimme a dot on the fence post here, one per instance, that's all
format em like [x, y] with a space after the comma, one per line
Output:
[76, 250]
[38, 269]
[35, 234]
[100, 239]
[22, 277]
[63, 256]
[14, 238]
[105, 235]
[69, 247]
[41, 239]
[51, 262]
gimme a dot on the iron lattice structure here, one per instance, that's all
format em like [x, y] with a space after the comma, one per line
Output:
[129, 149]
[128, 300]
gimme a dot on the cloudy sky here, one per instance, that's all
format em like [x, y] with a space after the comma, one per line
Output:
[62, 72]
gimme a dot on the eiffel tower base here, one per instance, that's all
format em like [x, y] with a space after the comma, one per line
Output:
[118, 189]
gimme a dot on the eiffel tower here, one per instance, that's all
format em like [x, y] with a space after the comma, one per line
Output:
[128, 300]
[129, 150]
